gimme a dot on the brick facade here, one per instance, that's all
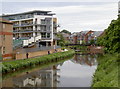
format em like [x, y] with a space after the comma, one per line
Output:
[6, 36]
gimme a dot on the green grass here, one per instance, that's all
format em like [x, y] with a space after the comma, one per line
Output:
[34, 68]
[19, 64]
[106, 74]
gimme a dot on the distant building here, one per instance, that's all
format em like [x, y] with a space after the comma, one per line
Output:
[73, 38]
[34, 24]
[6, 38]
[89, 36]
[84, 37]
[66, 36]
[92, 35]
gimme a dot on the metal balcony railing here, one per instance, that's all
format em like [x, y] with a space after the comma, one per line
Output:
[23, 31]
[31, 40]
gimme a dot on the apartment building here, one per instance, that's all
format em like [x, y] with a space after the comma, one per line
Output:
[84, 37]
[73, 38]
[37, 23]
[6, 38]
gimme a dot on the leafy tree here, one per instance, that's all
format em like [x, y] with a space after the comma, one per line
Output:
[111, 37]
[61, 42]
[92, 41]
[66, 31]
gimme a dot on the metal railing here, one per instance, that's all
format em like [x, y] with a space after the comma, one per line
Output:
[31, 40]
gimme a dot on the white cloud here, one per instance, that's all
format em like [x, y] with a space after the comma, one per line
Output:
[76, 17]
[84, 17]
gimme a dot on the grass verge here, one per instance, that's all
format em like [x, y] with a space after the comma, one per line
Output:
[19, 64]
[34, 68]
[107, 73]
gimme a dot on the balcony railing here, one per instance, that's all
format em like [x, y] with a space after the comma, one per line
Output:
[23, 31]
[30, 31]
[45, 38]
[29, 24]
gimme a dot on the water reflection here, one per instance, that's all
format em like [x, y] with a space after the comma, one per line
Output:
[41, 78]
[89, 60]
[76, 72]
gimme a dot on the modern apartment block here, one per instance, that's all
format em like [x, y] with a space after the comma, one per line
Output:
[41, 24]
[6, 36]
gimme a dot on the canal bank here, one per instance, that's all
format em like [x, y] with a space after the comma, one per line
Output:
[34, 52]
[75, 71]
[107, 73]
[21, 64]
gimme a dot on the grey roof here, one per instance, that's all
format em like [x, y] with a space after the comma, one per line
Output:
[65, 35]
[29, 12]
[97, 33]
[84, 32]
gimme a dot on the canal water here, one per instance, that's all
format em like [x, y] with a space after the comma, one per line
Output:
[75, 72]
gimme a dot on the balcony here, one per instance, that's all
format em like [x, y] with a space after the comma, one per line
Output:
[48, 31]
[23, 31]
[15, 25]
[26, 24]
[45, 38]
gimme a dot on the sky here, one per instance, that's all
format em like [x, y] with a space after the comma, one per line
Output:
[73, 15]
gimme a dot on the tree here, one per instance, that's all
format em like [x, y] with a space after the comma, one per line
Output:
[61, 42]
[65, 31]
[111, 39]
[92, 41]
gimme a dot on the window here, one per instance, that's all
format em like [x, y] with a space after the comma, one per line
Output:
[48, 35]
[43, 35]
[43, 28]
[42, 21]
[3, 50]
[35, 34]
[36, 21]
[48, 21]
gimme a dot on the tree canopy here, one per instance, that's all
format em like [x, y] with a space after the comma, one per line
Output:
[111, 38]
[66, 31]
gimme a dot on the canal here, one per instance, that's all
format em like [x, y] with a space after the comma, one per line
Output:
[73, 72]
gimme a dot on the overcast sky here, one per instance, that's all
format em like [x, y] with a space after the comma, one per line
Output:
[74, 15]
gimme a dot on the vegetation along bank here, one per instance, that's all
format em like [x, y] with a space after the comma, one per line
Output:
[107, 74]
[19, 64]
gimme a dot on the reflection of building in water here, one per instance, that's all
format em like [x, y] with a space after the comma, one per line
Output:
[43, 78]
[89, 60]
